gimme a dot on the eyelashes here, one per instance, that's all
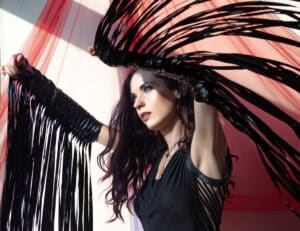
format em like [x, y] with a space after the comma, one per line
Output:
[145, 88]
[132, 99]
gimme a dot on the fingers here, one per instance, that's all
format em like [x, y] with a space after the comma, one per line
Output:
[18, 60]
[2, 70]
[12, 71]
[19, 57]
[22, 62]
[91, 50]
[15, 63]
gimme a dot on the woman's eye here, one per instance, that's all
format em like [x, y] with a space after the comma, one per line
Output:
[148, 88]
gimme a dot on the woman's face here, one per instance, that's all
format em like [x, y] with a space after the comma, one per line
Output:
[154, 103]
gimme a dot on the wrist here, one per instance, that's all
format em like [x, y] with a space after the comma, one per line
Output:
[60, 106]
[202, 91]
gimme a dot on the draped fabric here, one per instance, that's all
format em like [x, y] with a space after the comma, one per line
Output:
[51, 49]
[57, 43]
[47, 183]
[44, 41]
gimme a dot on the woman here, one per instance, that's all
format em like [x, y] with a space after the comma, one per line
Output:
[135, 33]
[153, 125]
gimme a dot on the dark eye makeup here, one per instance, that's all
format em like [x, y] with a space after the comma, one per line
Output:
[132, 98]
[146, 87]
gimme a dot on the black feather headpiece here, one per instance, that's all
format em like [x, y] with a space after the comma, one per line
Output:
[162, 36]
[134, 33]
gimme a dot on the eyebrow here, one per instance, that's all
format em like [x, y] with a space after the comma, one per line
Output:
[142, 86]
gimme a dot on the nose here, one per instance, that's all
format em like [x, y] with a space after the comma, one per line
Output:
[138, 103]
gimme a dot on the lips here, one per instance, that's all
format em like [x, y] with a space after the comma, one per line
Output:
[145, 116]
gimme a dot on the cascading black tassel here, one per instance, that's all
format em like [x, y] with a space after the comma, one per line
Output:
[48, 183]
[128, 36]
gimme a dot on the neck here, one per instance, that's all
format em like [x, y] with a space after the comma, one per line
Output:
[173, 134]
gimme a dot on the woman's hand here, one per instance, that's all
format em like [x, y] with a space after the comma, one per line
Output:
[202, 91]
[17, 64]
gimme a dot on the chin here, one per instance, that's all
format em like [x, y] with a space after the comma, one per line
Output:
[151, 126]
[154, 127]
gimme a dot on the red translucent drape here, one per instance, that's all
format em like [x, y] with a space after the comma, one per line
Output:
[57, 45]
[39, 49]
[254, 192]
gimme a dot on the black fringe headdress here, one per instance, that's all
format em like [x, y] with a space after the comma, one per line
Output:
[48, 181]
[133, 33]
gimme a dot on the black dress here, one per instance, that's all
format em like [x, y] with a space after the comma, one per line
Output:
[182, 199]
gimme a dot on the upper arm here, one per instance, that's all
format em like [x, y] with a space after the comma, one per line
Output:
[208, 148]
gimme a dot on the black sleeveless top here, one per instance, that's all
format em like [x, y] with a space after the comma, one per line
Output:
[183, 199]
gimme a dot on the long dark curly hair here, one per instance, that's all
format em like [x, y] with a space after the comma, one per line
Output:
[137, 147]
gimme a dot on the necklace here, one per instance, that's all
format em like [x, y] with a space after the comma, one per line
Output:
[165, 161]
[167, 154]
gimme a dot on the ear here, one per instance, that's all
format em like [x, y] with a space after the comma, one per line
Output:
[177, 94]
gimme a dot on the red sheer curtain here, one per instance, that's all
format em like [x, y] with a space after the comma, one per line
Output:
[38, 48]
[254, 193]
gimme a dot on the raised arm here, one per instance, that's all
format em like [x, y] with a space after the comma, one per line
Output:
[103, 136]
[209, 148]
[71, 115]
